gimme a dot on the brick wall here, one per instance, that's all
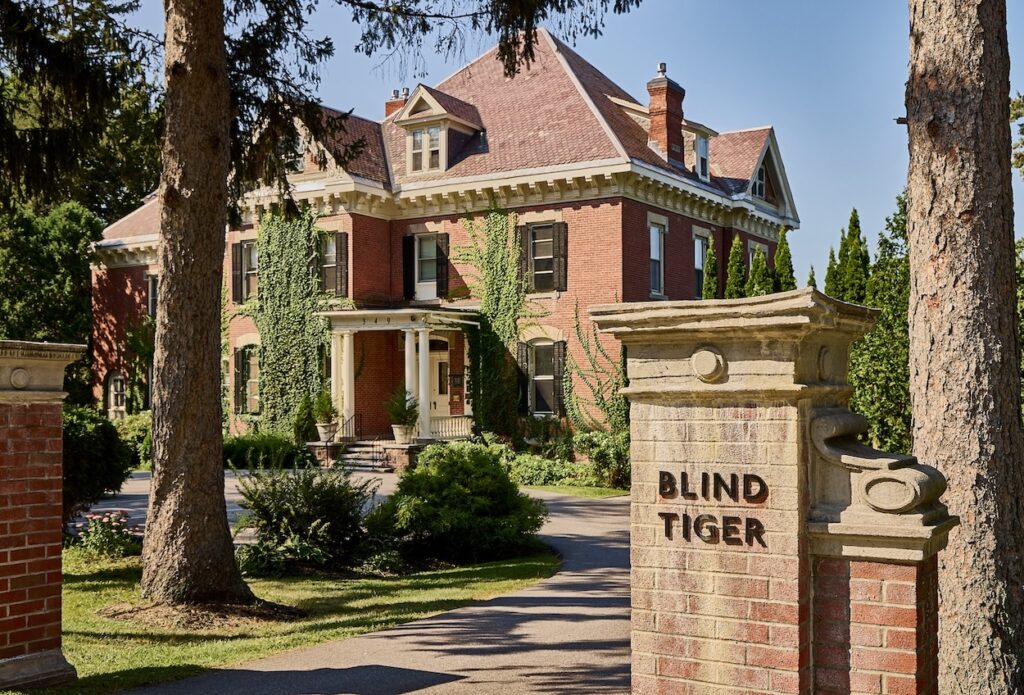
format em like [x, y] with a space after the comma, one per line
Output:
[875, 627]
[713, 614]
[119, 300]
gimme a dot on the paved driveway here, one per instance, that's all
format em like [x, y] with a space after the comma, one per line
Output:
[569, 633]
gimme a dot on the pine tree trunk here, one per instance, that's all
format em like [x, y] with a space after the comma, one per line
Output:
[188, 555]
[964, 379]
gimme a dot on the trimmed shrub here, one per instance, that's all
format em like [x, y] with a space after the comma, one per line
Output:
[459, 504]
[96, 461]
[530, 469]
[609, 454]
[137, 432]
[307, 517]
[264, 450]
[304, 427]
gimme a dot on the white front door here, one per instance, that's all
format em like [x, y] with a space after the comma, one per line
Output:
[439, 406]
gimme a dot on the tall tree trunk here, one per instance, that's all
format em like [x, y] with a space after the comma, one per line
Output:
[965, 384]
[188, 555]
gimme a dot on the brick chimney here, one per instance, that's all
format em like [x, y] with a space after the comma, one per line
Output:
[666, 111]
[395, 102]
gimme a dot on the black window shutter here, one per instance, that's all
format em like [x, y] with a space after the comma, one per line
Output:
[523, 235]
[409, 266]
[236, 273]
[240, 380]
[559, 364]
[560, 236]
[523, 358]
[341, 259]
[442, 265]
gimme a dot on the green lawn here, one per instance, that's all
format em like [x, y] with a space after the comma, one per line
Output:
[112, 655]
[580, 491]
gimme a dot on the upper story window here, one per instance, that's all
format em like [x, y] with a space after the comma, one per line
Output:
[752, 248]
[657, 234]
[426, 149]
[244, 270]
[295, 156]
[425, 266]
[703, 165]
[544, 255]
[329, 263]
[700, 255]
[757, 187]
[152, 294]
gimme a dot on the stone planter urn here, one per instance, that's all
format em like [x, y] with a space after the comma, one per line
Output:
[403, 433]
[326, 430]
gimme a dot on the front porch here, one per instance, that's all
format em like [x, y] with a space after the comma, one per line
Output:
[374, 352]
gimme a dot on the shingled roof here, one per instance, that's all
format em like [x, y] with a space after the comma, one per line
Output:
[735, 155]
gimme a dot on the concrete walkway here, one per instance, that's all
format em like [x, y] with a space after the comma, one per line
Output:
[569, 633]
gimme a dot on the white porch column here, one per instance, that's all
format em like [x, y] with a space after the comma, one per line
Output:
[348, 368]
[424, 389]
[410, 363]
[336, 370]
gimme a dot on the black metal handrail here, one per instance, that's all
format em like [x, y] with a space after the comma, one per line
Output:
[351, 429]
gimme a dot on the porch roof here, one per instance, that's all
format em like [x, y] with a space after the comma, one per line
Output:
[357, 320]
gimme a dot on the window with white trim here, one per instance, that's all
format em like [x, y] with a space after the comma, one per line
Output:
[426, 149]
[752, 247]
[657, 234]
[700, 254]
[757, 188]
[117, 395]
[329, 264]
[250, 269]
[542, 257]
[703, 165]
[426, 258]
[542, 377]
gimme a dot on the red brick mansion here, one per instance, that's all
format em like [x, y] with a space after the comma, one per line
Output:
[617, 201]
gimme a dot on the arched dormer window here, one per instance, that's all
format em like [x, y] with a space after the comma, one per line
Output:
[757, 187]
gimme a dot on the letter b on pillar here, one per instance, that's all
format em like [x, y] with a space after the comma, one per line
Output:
[755, 510]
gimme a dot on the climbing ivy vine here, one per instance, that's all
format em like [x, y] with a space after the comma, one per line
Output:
[603, 376]
[293, 340]
[491, 258]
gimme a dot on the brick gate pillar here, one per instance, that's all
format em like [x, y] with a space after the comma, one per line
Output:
[31, 479]
[771, 551]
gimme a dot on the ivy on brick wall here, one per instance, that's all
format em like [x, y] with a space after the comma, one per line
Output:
[492, 261]
[603, 378]
[293, 340]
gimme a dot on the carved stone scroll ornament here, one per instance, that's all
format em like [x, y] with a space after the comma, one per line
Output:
[874, 501]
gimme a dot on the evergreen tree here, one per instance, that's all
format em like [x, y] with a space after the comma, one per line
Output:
[879, 361]
[832, 275]
[759, 282]
[709, 289]
[784, 277]
[854, 263]
[811, 280]
[735, 271]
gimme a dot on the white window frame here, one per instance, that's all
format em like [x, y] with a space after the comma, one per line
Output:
[425, 148]
[534, 378]
[117, 395]
[534, 257]
[703, 158]
[655, 226]
[332, 267]
[757, 187]
[250, 270]
[752, 247]
[425, 288]
[700, 261]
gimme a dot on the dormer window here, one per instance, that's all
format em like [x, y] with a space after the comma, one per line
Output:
[295, 156]
[703, 165]
[757, 188]
[426, 149]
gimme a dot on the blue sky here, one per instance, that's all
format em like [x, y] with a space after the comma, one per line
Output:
[828, 75]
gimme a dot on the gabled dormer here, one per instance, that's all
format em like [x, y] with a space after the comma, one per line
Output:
[437, 126]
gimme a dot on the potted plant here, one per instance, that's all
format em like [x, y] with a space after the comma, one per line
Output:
[402, 411]
[326, 416]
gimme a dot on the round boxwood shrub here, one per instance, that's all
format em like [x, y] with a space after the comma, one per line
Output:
[459, 504]
[96, 461]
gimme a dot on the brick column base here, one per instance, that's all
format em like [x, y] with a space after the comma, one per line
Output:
[875, 627]
[31, 480]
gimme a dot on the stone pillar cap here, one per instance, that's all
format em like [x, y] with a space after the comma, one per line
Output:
[773, 314]
[34, 371]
